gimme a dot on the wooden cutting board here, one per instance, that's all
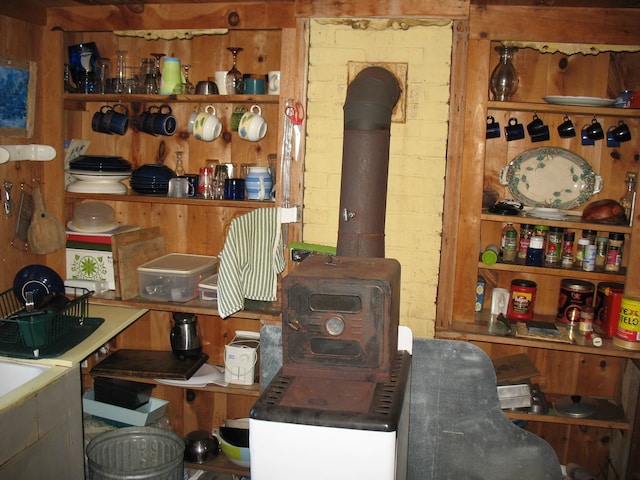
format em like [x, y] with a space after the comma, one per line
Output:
[46, 233]
[130, 250]
[149, 364]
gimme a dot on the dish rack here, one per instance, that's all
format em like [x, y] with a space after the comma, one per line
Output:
[27, 335]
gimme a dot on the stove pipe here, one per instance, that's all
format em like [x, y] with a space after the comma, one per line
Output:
[371, 97]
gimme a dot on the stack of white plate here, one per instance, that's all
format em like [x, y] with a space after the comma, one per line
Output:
[99, 174]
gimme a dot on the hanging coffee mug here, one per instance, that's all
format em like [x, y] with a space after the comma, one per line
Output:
[493, 128]
[236, 116]
[164, 123]
[621, 133]
[584, 134]
[253, 126]
[514, 131]
[566, 128]
[595, 131]
[611, 141]
[207, 126]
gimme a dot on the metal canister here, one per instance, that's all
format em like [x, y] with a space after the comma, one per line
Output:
[521, 299]
[574, 294]
[601, 300]
[628, 333]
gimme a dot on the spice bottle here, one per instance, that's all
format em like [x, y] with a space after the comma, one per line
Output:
[542, 231]
[591, 235]
[614, 252]
[526, 231]
[586, 319]
[509, 241]
[554, 246]
[582, 245]
[535, 252]
[602, 243]
[567, 249]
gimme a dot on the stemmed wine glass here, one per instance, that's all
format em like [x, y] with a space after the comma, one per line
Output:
[158, 72]
[187, 86]
[234, 77]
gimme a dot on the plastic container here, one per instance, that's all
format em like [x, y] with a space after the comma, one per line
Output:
[174, 277]
[136, 453]
[208, 288]
[123, 393]
[145, 415]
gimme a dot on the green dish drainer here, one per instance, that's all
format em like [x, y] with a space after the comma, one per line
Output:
[44, 334]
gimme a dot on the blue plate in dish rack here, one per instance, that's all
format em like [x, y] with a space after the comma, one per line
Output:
[550, 177]
[38, 279]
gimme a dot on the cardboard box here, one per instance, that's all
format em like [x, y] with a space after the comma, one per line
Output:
[90, 263]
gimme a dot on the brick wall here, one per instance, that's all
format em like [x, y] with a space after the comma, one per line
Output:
[417, 150]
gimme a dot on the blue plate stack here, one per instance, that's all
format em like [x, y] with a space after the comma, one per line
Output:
[151, 179]
[100, 163]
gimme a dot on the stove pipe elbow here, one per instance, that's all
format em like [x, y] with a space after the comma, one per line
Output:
[371, 97]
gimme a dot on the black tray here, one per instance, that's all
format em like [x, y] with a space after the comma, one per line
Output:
[76, 332]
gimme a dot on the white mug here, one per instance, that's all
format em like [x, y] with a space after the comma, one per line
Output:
[207, 126]
[273, 87]
[180, 188]
[252, 126]
[221, 81]
[192, 119]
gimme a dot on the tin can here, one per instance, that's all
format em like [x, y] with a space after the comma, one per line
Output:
[522, 297]
[628, 332]
[600, 301]
[574, 294]
[589, 262]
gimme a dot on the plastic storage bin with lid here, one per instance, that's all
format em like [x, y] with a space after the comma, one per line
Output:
[174, 277]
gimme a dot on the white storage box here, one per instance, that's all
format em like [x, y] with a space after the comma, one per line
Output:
[146, 414]
[175, 277]
[208, 288]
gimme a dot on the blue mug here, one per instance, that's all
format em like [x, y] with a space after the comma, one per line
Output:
[255, 86]
[514, 131]
[493, 128]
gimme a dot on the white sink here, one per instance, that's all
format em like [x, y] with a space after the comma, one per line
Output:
[15, 374]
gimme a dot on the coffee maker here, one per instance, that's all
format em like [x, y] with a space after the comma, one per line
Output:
[185, 341]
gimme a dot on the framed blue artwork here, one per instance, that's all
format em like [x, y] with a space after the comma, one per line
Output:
[17, 97]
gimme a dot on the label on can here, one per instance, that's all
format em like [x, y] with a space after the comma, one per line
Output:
[629, 320]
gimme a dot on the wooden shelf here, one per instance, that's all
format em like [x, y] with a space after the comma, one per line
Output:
[78, 101]
[563, 109]
[231, 389]
[574, 223]
[477, 331]
[598, 275]
[220, 464]
[264, 312]
[609, 415]
[196, 201]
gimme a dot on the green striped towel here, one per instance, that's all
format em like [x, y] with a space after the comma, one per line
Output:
[250, 261]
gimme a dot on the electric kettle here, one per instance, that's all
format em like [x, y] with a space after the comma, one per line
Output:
[184, 338]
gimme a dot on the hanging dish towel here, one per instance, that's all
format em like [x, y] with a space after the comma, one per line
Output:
[250, 261]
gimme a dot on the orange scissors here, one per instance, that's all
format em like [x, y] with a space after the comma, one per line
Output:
[295, 113]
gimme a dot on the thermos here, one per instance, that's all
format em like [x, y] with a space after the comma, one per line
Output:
[185, 341]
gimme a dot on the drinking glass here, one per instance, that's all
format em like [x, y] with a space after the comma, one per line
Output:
[234, 76]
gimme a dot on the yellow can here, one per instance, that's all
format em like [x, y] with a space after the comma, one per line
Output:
[628, 333]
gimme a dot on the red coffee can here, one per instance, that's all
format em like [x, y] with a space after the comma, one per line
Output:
[522, 297]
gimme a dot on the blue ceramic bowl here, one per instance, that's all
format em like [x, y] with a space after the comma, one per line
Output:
[152, 172]
[39, 279]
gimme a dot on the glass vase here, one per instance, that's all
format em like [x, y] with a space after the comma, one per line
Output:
[504, 79]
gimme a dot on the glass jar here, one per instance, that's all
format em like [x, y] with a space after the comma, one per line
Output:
[602, 242]
[535, 252]
[554, 247]
[526, 231]
[509, 243]
[582, 245]
[614, 252]
[567, 249]
[504, 78]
